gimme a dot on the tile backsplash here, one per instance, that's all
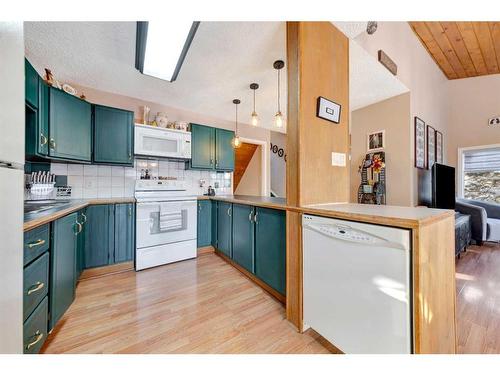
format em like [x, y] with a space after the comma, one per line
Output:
[93, 181]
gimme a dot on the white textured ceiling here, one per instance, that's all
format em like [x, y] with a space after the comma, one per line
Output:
[351, 29]
[224, 58]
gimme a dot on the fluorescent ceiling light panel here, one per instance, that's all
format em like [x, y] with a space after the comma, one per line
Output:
[167, 44]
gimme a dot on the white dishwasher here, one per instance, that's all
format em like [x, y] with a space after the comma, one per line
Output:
[357, 284]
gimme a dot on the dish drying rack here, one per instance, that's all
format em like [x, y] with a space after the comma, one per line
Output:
[41, 186]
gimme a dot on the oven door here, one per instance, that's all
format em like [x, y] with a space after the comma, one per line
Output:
[158, 142]
[160, 223]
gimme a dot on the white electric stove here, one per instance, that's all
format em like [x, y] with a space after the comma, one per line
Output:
[166, 223]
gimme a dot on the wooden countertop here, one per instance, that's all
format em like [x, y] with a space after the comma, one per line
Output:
[32, 221]
[397, 216]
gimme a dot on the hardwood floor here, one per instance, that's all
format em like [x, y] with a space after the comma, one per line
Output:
[198, 306]
[478, 299]
[206, 306]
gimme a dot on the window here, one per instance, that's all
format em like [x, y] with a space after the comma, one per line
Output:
[481, 174]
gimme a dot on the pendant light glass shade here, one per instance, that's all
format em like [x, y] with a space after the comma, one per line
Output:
[255, 117]
[278, 117]
[236, 141]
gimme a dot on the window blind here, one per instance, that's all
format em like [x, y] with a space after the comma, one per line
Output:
[482, 160]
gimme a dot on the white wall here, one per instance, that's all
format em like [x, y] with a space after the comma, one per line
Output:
[418, 71]
[472, 102]
[390, 115]
[278, 165]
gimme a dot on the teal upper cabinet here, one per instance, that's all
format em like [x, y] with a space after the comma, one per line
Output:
[224, 152]
[37, 124]
[63, 266]
[270, 247]
[243, 236]
[124, 244]
[113, 135]
[224, 228]
[30, 84]
[204, 223]
[202, 147]
[99, 236]
[70, 127]
[211, 148]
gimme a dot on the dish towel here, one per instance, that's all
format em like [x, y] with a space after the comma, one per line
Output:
[169, 220]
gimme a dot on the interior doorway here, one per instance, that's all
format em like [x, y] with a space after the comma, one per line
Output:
[251, 168]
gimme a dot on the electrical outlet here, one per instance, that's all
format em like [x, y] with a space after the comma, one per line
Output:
[338, 159]
[494, 121]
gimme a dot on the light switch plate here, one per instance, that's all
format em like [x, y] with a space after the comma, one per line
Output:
[338, 159]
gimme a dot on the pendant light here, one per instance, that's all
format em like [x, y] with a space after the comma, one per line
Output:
[236, 142]
[278, 117]
[255, 116]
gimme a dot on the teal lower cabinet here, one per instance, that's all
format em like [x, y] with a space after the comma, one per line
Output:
[63, 266]
[243, 236]
[224, 228]
[124, 244]
[35, 284]
[270, 247]
[35, 328]
[213, 228]
[204, 223]
[109, 234]
[80, 242]
[99, 236]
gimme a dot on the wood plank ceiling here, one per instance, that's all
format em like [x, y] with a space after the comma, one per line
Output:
[462, 49]
[242, 157]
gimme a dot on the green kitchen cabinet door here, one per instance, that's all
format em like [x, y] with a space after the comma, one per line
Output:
[224, 151]
[243, 236]
[213, 241]
[224, 228]
[113, 135]
[202, 147]
[270, 247]
[80, 242]
[204, 223]
[124, 232]
[99, 236]
[70, 127]
[30, 84]
[37, 126]
[62, 266]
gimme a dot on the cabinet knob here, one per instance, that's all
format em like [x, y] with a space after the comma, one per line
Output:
[52, 144]
[43, 140]
[129, 156]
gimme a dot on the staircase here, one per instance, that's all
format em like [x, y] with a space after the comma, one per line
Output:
[242, 158]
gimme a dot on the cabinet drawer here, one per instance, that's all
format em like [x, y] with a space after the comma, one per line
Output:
[35, 328]
[36, 242]
[36, 283]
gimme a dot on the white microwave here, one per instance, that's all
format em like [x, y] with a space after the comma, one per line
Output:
[162, 143]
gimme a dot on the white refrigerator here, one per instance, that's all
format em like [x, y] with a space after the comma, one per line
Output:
[11, 186]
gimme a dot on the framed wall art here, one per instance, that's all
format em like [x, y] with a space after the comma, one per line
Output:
[375, 141]
[328, 110]
[439, 147]
[419, 143]
[431, 146]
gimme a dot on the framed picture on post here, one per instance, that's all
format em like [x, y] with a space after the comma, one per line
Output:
[419, 143]
[431, 146]
[439, 147]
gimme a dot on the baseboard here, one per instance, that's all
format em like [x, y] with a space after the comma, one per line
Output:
[280, 297]
[92, 273]
[205, 250]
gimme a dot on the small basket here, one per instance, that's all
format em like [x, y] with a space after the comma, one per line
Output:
[41, 191]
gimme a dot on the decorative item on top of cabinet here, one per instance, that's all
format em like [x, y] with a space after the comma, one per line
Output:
[161, 120]
[372, 187]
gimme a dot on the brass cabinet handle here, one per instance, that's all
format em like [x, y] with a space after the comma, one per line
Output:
[35, 287]
[38, 336]
[43, 140]
[255, 218]
[211, 161]
[129, 156]
[250, 216]
[38, 242]
[52, 144]
[80, 227]
[85, 218]
[229, 211]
